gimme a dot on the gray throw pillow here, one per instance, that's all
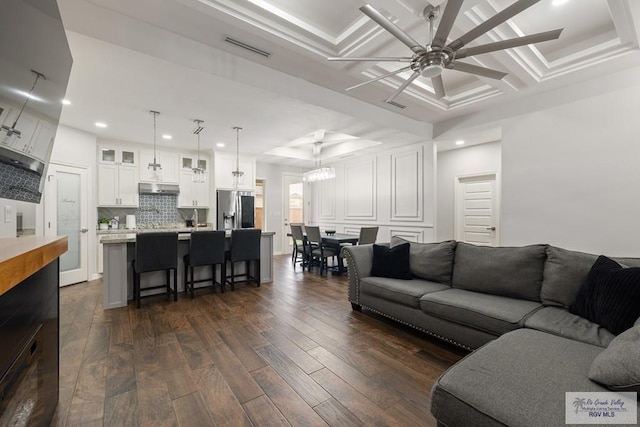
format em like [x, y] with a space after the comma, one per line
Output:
[618, 366]
[430, 261]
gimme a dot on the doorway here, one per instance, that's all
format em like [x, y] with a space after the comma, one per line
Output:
[66, 212]
[259, 205]
[477, 209]
[293, 211]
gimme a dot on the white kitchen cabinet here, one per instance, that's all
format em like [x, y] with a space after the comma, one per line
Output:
[112, 154]
[188, 162]
[36, 136]
[192, 194]
[225, 165]
[117, 185]
[168, 161]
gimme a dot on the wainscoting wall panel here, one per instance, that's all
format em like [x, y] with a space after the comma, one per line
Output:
[360, 190]
[414, 235]
[407, 185]
[326, 199]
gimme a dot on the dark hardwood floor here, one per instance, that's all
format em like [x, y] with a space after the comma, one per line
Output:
[291, 352]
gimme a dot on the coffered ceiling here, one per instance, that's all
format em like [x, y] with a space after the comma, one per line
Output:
[599, 37]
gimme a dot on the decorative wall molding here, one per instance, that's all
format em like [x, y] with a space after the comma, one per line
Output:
[326, 200]
[407, 185]
[361, 188]
[413, 235]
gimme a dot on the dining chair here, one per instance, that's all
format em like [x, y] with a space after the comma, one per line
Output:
[298, 244]
[155, 251]
[245, 247]
[368, 235]
[322, 253]
[206, 248]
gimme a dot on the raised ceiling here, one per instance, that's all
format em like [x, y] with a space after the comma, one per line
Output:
[180, 38]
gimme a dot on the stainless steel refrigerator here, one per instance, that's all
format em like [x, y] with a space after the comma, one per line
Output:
[236, 209]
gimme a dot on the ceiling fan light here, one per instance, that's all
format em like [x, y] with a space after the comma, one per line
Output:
[433, 70]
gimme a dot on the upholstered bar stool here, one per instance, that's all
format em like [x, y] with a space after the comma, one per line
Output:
[154, 252]
[245, 247]
[206, 248]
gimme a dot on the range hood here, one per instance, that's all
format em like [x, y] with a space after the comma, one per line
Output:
[148, 188]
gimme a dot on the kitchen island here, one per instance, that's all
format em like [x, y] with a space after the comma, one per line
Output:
[29, 328]
[119, 251]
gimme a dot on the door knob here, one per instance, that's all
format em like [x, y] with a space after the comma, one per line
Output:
[84, 230]
[491, 228]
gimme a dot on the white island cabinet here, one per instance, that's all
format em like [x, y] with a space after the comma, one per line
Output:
[119, 251]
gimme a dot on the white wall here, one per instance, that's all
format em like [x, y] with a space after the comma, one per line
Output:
[571, 175]
[393, 190]
[77, 148]
[8, 229]
[273, 198]
[477, 159]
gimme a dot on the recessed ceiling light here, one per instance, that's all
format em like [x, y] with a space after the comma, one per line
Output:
[66, 102]
[460, 142]
[559, 2]
[101, 125]
[166, 136]
[220, 144]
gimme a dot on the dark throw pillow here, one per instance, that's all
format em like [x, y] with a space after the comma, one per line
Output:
[391, 262]
[610, 297]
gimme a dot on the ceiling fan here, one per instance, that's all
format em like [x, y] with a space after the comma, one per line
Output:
[430, 61]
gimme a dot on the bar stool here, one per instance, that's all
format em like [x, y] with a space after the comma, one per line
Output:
[205, 248]
[245, 246]
[156, 251]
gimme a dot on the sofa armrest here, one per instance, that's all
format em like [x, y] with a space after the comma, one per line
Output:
[359, 261]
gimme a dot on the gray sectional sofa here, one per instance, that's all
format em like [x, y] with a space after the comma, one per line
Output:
[510, 305]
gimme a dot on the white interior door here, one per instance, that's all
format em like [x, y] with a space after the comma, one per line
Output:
[293, 211]
[477, 210]
[66, 215]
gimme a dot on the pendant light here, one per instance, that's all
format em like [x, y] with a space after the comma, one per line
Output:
[238, 175]
[10, 131]
[199, 174]
[155, 167]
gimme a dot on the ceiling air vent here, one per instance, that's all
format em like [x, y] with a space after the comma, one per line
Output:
[246, 46]
[395, 104]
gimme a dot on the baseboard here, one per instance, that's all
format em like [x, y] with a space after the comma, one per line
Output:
[95, 276]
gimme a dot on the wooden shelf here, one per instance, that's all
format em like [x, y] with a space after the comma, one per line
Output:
[23, 256]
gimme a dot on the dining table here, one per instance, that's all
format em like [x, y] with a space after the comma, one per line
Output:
[335, 241]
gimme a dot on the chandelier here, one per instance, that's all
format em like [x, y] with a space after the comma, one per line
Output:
[320, 173]
[238, 175]
[199, 174]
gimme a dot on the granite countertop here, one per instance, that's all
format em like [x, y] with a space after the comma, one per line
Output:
[184, 234]
[182, 229]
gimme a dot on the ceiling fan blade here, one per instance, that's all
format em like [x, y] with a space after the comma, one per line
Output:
[492, 22]
[384, 76]
[403, 86]
[438, 86]
[446, 23]
[380, 59]
[474, 69]
[508, 44]
[392, 28]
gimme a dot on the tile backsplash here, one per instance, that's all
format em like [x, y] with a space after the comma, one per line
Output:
[154, 209]
[19, 184]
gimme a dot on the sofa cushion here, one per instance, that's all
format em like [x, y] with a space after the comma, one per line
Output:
[611, 296]
[405, 292]
[566, 271]
[520, 379]
[490, 313]
[618, 367]
[558, 321]
[391, 262]
[430, 261]
[504, 271]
